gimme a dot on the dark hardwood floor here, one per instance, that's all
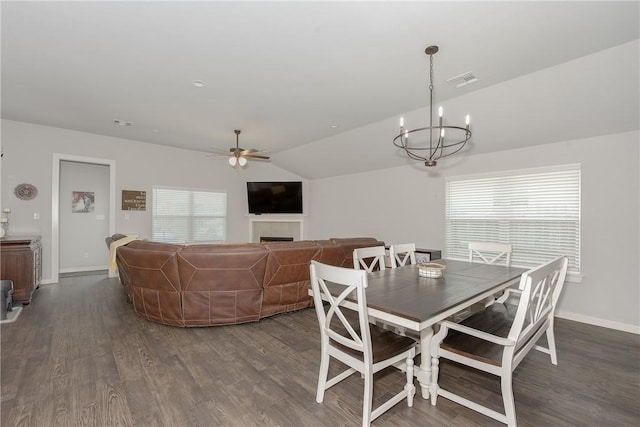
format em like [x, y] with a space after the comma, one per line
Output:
[78, 355]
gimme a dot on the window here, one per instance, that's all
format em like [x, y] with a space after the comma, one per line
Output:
[184, 216]
[537, 211]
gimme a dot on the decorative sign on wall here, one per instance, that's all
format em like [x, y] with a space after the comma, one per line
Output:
[133, 200]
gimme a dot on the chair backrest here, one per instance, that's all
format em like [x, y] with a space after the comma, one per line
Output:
[540, 289]
[402, 254]
[334, 325]
[490, 253]
[369, 259]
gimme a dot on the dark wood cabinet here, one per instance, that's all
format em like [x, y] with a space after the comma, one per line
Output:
[427, 254]
[22, 263]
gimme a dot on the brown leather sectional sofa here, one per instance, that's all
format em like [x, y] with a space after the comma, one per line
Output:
[207, 285]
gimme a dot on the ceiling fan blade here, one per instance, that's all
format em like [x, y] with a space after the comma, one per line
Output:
[237, 151]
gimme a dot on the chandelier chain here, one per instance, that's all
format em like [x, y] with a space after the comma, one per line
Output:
[431, 150]
[430, 72]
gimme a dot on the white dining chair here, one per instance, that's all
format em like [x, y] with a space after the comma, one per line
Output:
[496, 339]
[362, 347]
[490, 253]
[369, 259]
[402, 254]
[486, 253]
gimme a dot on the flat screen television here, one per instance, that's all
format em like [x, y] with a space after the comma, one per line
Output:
[281, 197]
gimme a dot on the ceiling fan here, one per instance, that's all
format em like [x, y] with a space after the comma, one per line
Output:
[239, 156]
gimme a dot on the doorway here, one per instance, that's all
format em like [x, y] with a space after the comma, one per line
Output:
[73, 222]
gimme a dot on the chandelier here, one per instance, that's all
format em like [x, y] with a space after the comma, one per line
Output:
[440, 146]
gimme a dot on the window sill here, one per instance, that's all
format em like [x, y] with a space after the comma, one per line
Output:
[574, 277]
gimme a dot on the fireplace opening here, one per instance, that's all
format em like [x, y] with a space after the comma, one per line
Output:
[275, 239]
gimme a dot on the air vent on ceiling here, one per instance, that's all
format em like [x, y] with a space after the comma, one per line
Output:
[463, 79]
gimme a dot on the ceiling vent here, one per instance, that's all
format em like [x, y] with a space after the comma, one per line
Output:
[463, 79]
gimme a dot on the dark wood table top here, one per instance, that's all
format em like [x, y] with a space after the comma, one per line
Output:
[402, 292]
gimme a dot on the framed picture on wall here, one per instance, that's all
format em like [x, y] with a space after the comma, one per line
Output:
[82, 201]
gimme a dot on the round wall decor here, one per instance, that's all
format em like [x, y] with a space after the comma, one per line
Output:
[25, 191]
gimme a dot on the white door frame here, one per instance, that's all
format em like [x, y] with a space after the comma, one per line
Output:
[55, 203]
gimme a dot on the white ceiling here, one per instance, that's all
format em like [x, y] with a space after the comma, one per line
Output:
[282, 72]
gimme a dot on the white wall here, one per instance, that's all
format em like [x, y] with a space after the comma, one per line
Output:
[28, 153]
[407, 204]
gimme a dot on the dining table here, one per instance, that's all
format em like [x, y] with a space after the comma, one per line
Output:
[404, 298]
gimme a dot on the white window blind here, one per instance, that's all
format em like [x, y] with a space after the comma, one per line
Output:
[184, 215]
[537, 212]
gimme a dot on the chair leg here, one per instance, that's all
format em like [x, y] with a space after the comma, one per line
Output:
[322, 376]
[410, 388]
[507, 398]
[433, 388]
[367, 399]
[551, 342]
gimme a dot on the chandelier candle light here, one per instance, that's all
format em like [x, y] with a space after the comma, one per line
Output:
[441, 147]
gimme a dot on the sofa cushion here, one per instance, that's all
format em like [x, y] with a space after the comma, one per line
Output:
[158, 306]
[330, 252]
[222, 267]
[222, 284]
[152, 282]
[154, 246]
[207, 308]
[289, 262]
[286, 281]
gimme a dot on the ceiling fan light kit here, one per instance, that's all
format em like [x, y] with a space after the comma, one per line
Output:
[239, 155]
[240, 161]
[443, 147]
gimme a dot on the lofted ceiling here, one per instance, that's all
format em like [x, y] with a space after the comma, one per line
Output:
[285, 73]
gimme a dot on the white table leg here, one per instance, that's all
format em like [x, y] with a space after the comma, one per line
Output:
[423, 372]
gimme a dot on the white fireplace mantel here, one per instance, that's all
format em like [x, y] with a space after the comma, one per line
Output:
[275, 226]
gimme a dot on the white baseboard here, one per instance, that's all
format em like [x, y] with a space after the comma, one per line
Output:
[80, 269]
[625, 327]
[50, 281]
